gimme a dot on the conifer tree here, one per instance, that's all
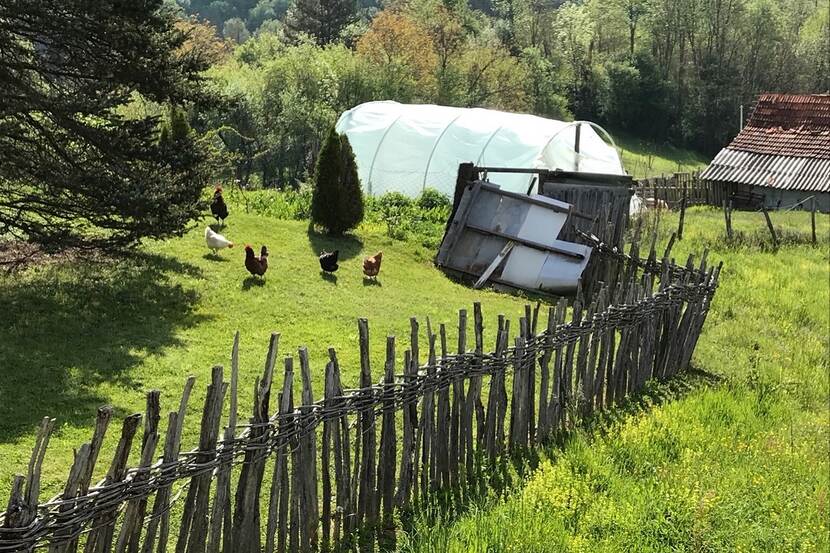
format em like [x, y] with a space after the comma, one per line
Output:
[337, 202]
[74, 170]
[323, 20]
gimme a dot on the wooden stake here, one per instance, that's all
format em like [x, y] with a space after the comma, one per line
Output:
[813, 219]
[770, 227]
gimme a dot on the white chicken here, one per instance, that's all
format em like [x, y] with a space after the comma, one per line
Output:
[216, 241]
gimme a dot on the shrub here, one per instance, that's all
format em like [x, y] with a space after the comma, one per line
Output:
[433, 199]
[337, 201]
[393, 201]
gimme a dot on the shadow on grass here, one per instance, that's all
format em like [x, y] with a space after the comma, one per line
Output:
[329, 277]
[252, 281]
[67, 327]
[215, 258]
[349, 245]
[371, 281]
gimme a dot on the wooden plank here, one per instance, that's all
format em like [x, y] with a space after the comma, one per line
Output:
[494, 265]
[523, 241]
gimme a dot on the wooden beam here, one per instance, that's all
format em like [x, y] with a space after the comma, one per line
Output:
[524, 241]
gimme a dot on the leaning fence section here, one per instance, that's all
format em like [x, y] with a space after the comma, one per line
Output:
[328, 469]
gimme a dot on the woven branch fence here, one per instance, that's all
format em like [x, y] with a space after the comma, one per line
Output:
[304, 475]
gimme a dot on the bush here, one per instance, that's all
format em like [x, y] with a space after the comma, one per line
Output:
[337, 201]
[433, 199]
[392, 201]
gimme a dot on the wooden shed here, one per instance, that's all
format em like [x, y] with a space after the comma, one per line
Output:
[781, 157]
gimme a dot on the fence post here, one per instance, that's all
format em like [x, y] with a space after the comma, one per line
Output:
[682, 213]
[277, 525]
[770, 227]
[813, 219]
[366, 502]
[388, 450]
[246, 519]
[728, 219]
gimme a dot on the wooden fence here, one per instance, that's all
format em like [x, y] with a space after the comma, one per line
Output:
[329, 474]
[672, 188]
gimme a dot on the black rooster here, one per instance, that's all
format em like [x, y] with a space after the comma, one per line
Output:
[218, 207]
[328, 261]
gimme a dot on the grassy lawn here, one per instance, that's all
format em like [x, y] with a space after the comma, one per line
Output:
[78, 335]
[736, 461]
[642, 158]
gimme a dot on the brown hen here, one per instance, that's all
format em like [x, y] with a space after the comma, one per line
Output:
[256, 265]
[371, 265]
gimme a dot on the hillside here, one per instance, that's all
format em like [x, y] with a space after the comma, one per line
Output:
[644, 158]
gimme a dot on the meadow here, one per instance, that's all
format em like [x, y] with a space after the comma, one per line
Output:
[81, 333]
[732, 457]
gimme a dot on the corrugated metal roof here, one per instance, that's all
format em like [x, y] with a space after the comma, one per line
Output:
[788, 124]
[774, 171]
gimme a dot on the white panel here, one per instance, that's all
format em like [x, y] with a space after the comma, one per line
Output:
[523, 266]
[542, 225]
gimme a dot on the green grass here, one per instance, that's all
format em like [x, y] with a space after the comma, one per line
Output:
[78, 335]
[738, 464]
[642, 158]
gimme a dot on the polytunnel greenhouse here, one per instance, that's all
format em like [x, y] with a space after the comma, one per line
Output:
[407, 148]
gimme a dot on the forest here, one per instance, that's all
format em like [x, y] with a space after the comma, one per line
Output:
[672, 72]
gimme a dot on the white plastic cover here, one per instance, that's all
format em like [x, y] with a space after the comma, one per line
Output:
[406, 148]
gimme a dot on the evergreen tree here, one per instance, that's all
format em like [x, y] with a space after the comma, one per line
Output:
[324, 20]
[74, 171]
[337, 203]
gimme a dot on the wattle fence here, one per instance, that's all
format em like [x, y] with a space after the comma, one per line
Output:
[329, 474]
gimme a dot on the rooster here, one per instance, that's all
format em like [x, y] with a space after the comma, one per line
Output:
[256, 265]
[328, 261]
[371, 265]
[216, 241]
[218, 206]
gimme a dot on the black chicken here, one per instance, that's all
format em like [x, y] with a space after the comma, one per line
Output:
[328, 261]
[218, 207]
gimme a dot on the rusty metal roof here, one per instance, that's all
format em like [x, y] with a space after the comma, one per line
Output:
[774, 171]
[785, 144]
[788, 124]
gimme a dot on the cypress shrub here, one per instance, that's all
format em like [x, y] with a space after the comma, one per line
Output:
[337, 202]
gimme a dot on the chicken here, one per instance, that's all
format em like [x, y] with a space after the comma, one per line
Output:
[371, 265]
[256, 265]
[216, 241]
[218, 207]
[328, 261]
